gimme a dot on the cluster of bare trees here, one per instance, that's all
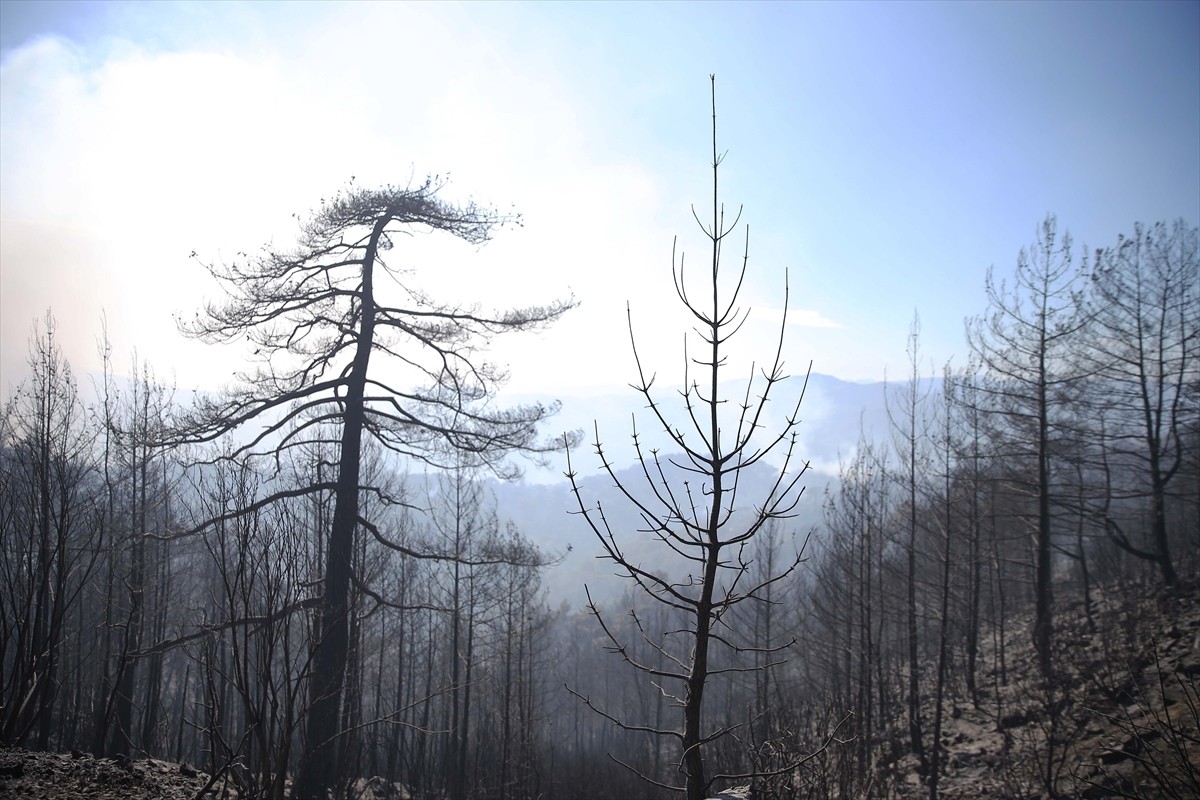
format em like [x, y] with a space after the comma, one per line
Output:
[1062, 463]
[154, 602]
[1064, 456]
[281, 601]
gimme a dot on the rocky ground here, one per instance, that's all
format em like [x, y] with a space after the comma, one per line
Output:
[30, 775]
[58, 776]
[1126, 721]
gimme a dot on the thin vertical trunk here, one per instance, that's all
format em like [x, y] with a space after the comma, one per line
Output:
[373, 765]
[183, 712]
[450, 777]
[1162, 544]
[396, 748]
[1152, 420]
[104, 703]
[122, 735]
[154, 665]
[420, 762]
[693, 760]
[1043, 591]
[976, 565]
[999, 612]
[866, 647]
[41, 620]
[916, 738]
[944, 620]
[506, 697]
[465, 719]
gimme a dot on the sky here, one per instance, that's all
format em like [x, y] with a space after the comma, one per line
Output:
[884, 155]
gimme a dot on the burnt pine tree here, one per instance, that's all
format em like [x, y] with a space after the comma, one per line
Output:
[136, 421]
[48, 537]
[687, 502]
[1144, 345]
[320, 317]
[1022, 346]
[910, 440]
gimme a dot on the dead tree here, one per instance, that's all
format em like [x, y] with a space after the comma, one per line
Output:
[49, 538]
[317, 316]
[910, 441]
[687, 501]
[1021, 345]
[1144, 345]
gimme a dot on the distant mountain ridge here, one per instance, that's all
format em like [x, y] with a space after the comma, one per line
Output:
[548, 515]
[543, 507]
[831, 416]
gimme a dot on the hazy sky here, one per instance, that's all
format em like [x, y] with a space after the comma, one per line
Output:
[886, 155]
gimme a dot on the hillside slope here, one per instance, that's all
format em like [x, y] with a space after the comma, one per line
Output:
[1123, 719]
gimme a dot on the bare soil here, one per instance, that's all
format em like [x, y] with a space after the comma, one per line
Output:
[28, 775]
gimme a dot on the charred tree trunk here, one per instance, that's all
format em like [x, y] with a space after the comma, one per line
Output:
[319, 768]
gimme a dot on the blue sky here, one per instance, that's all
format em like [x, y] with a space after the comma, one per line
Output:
[885, 154]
